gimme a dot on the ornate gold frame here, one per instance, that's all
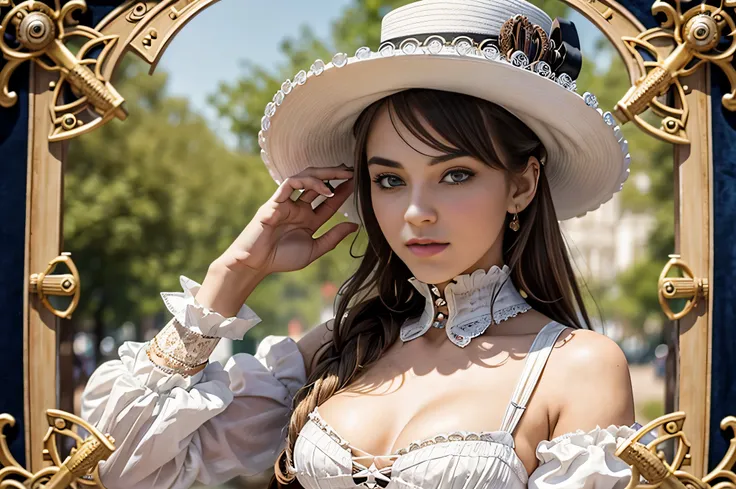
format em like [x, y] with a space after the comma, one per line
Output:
[146, 27]
[77, 470]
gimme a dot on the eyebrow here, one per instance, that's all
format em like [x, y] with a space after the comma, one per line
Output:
[379, 160]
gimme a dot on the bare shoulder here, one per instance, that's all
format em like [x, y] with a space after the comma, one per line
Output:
[583, 348]
[313, 341]
[590, 382]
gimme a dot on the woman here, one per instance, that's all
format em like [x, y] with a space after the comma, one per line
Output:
[458, 355]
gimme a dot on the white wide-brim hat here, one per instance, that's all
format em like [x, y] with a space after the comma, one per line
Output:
[475, 47]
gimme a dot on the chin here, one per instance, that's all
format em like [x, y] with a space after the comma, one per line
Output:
[437, 271]
[433, 273]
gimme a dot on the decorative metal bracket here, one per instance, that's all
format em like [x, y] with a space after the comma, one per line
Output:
[69, 285]
[688, 287]
[649, 462]
[83, 96]
[78, 470]
[683, 43]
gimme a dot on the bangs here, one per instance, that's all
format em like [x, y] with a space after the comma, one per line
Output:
[452, 124]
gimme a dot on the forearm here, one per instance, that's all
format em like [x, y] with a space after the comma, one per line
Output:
[225, 290]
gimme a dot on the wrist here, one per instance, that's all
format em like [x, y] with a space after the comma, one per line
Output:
[224, 289]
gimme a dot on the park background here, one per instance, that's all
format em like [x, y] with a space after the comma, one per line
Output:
[165, 192]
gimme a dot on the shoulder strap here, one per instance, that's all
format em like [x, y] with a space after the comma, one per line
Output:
[536, 360]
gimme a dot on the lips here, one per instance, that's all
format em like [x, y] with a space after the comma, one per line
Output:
[423, 241]
[429, 249]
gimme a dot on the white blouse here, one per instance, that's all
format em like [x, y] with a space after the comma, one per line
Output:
[172, 431]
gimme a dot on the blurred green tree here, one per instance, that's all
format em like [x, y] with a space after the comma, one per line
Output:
[149, 199]
[162, 195]
[632, 299]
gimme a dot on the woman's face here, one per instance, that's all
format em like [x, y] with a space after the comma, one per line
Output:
[419, 193]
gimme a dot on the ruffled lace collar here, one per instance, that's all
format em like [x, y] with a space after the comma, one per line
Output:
[469, 299]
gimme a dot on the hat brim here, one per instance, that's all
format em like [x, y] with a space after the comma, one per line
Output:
[313, 124]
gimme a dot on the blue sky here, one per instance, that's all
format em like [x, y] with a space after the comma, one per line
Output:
[211, 47]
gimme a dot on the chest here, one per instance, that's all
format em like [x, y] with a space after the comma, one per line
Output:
[409, 396]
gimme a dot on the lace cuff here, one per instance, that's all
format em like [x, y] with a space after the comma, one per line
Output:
[176, 349]
[203, 321]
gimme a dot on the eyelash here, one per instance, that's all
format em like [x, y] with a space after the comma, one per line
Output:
[377, 179]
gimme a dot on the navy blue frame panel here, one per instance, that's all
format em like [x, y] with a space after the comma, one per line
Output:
[13, 158]
[723, 353]
[642, 10]
[97, 10]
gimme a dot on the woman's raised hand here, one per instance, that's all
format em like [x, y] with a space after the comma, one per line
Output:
[279, 237]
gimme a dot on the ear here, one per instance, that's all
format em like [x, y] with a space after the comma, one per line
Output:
[523, 187]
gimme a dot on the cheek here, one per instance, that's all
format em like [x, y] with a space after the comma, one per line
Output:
[479, 204]
[475, 217]
[389, 213]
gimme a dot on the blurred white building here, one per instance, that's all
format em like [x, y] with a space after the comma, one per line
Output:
[607, 241]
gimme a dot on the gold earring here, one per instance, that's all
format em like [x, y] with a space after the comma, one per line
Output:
[514, 224]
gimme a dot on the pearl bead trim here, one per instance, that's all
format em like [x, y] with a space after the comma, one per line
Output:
[437, 45]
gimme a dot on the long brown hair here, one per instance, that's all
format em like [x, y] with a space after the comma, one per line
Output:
[374, 302]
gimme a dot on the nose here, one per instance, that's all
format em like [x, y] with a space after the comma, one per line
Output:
[420, 210]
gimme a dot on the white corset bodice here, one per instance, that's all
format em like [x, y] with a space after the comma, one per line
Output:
[323, 459]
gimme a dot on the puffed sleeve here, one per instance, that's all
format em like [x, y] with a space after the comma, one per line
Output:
[172, 431]
[582, 460]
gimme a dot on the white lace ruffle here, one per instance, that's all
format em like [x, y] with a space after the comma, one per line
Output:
[469, 301]
[195, 317]
[502, 437]
[582, 460]
[412, 329]
[476, 327]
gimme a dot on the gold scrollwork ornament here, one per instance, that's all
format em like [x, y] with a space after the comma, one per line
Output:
[79, 469]
[683, 43]
[82, 97]
[649, 462]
